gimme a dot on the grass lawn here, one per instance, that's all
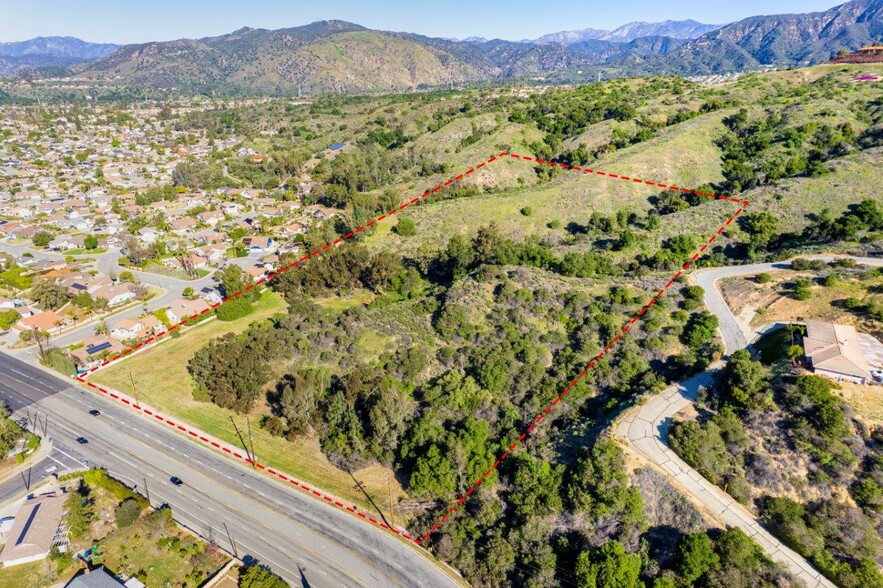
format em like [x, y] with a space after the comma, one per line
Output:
[162, 381]
[338, 304]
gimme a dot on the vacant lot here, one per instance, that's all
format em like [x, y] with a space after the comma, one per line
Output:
[161, 380]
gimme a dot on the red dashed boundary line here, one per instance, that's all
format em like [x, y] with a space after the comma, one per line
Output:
[197, 435]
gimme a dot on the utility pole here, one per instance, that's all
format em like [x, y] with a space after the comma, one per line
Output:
[254, 458]
[241, 440]
[232, 541]
[392, 514]
[45, 425]
[134, 389]
[146, 490]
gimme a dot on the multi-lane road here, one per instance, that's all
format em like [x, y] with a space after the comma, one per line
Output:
[295, 535]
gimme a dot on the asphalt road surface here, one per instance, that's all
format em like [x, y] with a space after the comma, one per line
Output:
[296, 536]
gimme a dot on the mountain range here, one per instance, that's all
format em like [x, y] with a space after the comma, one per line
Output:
[338, 56]
[50, 51]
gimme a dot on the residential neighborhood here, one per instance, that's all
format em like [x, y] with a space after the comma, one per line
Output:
[91, 213]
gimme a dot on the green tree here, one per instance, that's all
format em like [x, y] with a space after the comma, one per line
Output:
[406, 227]
[8, 318]
[298, 397]
[79, 511]
[695, 557]
[700, 330]
[127, 512]
[608, 566]
[433, 473]
[42, 238]
[233, 280]
[48, 294]
[746, 383]
[761, 227]
[127, 277]
[90, 242]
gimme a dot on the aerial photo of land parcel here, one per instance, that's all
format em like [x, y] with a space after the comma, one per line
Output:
[366, 311]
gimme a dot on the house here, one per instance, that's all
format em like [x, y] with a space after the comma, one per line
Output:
[836, 351]
[94, 350]
[211, 295]
[181, 309]
[36, 530]
[256, 272]
[210, 217]
[133, 328]
[114, 294]
[181, 226]
[148, 235]
[97, 578]
[258, 244]
[47, 321]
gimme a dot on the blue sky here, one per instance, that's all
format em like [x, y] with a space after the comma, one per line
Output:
[134, 21]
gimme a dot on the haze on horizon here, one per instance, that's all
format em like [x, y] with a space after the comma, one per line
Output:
[139, 21]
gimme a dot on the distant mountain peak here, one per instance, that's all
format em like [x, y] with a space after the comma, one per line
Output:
[676, 29]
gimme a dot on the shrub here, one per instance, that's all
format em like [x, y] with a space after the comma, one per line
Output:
[802, 289]
[527, 211]
[406, 227]
[257, 576]
[234, 309]
[763, 278]
[60, 362]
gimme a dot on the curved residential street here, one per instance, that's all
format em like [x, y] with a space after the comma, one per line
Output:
[106, 263]
[645, 428]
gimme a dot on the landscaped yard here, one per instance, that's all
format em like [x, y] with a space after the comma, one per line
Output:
[161, 380]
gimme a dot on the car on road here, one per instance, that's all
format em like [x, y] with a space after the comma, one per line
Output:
[82, 440]
[176, 480]
[95, 412]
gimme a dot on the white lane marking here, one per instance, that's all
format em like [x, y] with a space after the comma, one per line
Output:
[53, 467]
[66, 454]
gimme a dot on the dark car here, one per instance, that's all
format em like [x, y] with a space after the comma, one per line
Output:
[95, 412]
[82, 440]
[176, 480]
